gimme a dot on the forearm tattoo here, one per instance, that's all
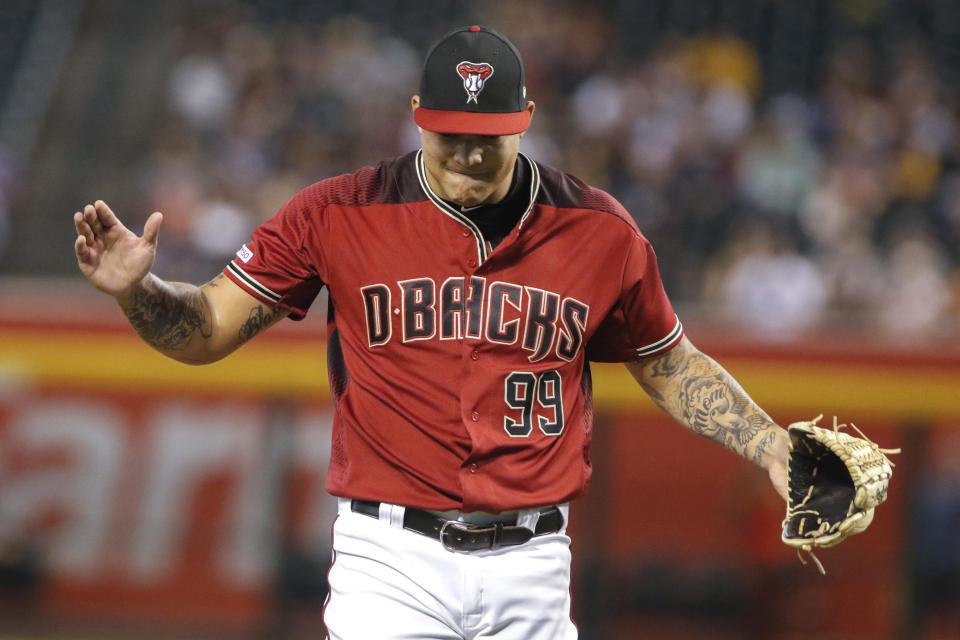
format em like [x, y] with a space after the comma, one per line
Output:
[762, 447]
[168, 315]
[699, 393]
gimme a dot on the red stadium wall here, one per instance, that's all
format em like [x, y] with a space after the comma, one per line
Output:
[159, 493]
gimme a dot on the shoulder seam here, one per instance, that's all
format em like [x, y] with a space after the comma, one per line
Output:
[624, 217]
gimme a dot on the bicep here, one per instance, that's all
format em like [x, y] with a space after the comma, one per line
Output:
[236, 315]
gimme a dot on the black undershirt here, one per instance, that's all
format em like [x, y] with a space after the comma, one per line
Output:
[497, 220]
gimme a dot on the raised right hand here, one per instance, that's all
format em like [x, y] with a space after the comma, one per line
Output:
[113, 258]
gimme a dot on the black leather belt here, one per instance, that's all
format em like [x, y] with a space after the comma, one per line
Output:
[463, 536]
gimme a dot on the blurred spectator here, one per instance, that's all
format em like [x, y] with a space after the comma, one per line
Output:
[917, 293]
[219, 228]
[770, 287]
[779, 163]
[844, 204]
[201, 92]
[854, 275]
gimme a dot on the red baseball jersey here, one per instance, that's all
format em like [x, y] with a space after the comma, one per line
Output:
[459, 374]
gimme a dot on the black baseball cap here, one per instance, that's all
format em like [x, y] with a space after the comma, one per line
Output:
[472, 83]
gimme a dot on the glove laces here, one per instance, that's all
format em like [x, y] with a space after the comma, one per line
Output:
[836, 431]
[809, 551]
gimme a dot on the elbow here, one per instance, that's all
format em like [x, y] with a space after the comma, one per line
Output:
[194, 358]
[197, 352]
[196, 362]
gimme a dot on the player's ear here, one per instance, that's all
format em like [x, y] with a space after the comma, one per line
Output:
[415, 102]
[530, 108]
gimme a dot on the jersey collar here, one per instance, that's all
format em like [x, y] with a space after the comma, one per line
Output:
[456, 214]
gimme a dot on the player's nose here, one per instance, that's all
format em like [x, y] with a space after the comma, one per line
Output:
[469, 154]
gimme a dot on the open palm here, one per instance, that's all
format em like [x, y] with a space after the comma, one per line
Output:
[112, 257]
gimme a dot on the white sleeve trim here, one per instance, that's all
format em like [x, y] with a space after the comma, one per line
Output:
[668, 340]
[251, 283]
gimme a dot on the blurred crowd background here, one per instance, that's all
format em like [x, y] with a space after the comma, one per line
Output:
[795, 163]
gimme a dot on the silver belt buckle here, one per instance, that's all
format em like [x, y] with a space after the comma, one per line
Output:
[459, 526]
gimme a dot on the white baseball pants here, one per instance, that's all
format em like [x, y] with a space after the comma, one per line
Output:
[388, 583]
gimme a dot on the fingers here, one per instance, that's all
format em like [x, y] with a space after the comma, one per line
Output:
[105, 213]
[81, 248]
[97, 219]
[100, 217]
[92, 219]
[152, 227]
[83, 228]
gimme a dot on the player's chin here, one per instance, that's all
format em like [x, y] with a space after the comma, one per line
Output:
[473, 195]
[473, 200]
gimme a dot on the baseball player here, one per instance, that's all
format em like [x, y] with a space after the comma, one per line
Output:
[469, 288]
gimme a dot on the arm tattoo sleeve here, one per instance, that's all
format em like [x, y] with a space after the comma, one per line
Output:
[699, 393]
[168, 315]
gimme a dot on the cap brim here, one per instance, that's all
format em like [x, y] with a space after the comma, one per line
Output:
[470, 123]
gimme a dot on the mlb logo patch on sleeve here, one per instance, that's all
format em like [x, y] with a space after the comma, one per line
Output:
[245, 254]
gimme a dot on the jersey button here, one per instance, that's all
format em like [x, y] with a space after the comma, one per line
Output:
[471, 263]
[474, 467]
[465, 233]
[475, 416]
[474, 355]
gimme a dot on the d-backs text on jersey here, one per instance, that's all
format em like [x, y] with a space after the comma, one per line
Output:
[471, 308]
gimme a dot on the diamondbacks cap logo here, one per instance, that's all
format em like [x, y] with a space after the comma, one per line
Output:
[474, 76]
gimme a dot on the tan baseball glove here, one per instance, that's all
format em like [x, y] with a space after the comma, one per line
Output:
[835, 481]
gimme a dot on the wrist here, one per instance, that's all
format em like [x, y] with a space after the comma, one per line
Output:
[778, 451]
[128, 296]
